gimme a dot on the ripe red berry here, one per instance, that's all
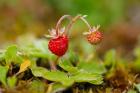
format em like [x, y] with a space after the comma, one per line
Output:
[59, 45]
[94, 37]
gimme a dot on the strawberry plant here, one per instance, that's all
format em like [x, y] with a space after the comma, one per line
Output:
[52, 65]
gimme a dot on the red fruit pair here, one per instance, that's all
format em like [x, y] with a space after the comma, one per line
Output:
[58, 45]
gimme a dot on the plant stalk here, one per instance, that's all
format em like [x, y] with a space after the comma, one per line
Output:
[60, 21]
[53, 64]
[74, 20]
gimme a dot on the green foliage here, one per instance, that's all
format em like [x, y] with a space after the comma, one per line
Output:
[138, 87]
[91, 67]
[3, 75]
[72, 57]
[136, 64]
[1, 56]
[71, 69]
[110, 62]
[137, 52]
[131, 91]
[56, 87]
[84, 72]
[39, 71]
[68, 79]
[57, 76]
[36, 48]
[110, 58]
[67, 66]
[11, 55]
[11, 81]
[37, 87]
[74, 74]
[76, 66]
[95, 79]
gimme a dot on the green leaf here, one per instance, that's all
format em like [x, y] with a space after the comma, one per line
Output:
[72, 57]
[11, 81]
[11, 55]
[56, 87]
[137, 87]
[37, 87]
[1, 56]
[136, 64]
[66, 65]
[131, 91]
[110, 62]
[59, 76]
[3, 70]
[88, 77]
[39, 71]
[91, 67]
[137, 52]
[110, 58]
[37, 48]
[84, 72]
[56, 76]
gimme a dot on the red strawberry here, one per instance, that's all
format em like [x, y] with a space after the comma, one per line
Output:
[58, 45]
[94, 37]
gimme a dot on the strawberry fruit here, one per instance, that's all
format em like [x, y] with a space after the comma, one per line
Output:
[94, 37]
[58, 45]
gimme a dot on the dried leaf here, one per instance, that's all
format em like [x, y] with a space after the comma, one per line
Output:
[24, 66]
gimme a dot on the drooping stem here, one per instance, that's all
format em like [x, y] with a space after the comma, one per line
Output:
[59, 22]
[74, 20]
[71, 23]
[88, 25]
[85, 21]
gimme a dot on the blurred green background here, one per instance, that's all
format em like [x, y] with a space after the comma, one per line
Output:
[119, 19]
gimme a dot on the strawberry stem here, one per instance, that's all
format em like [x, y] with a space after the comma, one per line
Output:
[74, 20]
[85, 21]
[71, 23]
[53, 64]
[59, 22]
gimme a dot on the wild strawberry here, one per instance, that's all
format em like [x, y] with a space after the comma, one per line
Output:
[58, 45]
[94, 36]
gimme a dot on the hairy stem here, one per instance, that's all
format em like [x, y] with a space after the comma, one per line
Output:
[85, 21]
[53, 64]
[74, 20]
[71, 23]
[59, 22]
